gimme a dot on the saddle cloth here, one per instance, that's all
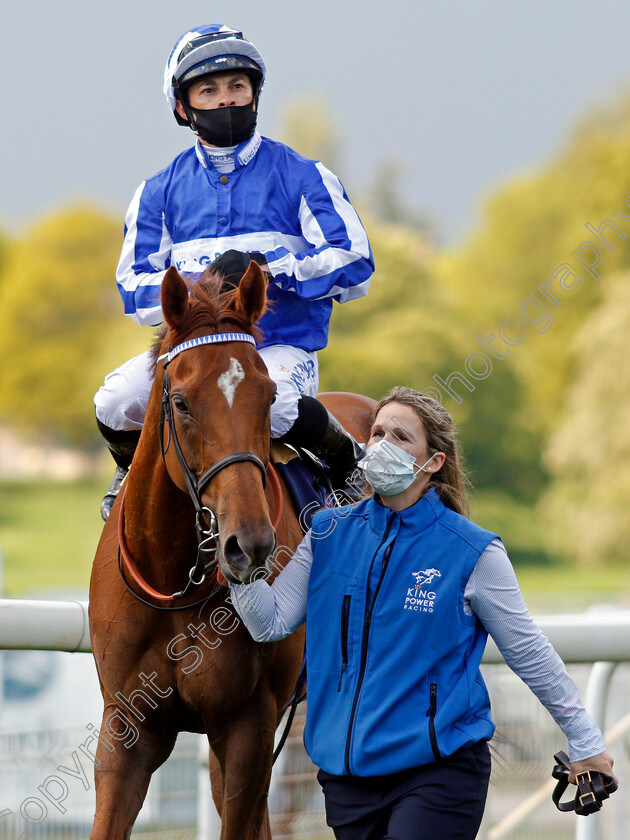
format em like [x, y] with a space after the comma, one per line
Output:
[308, 485]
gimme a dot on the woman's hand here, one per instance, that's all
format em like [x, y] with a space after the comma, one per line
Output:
[603, 763]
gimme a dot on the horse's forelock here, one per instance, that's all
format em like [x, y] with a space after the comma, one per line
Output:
[208, 309]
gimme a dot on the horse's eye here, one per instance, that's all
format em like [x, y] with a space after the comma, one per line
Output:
[275, 394]
[180, 404]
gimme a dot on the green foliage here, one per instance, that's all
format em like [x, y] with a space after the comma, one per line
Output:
[529, 228]
[406, 330]
[4, 249]
[589, 452]
[61, 324]
[517, 524]
[502, 451]
[401, 333]
[565, 389]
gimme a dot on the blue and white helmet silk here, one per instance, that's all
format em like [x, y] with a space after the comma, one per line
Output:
[198, 47]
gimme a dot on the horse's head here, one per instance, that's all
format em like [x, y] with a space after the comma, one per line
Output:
[216, 400]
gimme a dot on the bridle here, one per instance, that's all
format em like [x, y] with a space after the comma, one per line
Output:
[206, 523]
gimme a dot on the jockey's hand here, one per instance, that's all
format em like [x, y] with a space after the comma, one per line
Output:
[602, 762]
[233, 264]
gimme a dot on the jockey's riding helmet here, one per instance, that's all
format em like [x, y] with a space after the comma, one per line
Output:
[213, 48]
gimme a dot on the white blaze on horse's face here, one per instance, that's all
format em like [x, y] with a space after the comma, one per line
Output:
[229, 380]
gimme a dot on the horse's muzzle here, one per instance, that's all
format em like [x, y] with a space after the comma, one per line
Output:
[244, 553]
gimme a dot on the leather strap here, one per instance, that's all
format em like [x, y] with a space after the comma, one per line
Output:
[593, 788]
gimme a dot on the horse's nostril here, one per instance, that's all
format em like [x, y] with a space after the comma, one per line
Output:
[265, 550]
[234, 554]
[242, 552]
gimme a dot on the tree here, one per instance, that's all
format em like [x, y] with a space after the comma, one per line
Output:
[589, 453]
[61, 324]
[400, 333]
[530, 227]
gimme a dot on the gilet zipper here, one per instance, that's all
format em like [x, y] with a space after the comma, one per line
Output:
[369, 607]
[431, 715]
[345, 615]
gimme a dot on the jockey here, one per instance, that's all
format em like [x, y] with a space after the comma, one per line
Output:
[233, 197]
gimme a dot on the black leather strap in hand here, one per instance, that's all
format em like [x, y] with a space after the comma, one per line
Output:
[593, 788]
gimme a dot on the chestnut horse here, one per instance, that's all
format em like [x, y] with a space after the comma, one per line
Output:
[166, 667]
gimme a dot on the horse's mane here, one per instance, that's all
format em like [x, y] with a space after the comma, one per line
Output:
[208, 309]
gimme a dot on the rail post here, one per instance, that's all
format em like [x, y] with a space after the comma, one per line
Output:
[596, 701]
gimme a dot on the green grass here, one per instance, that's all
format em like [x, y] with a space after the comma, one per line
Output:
[49, 532]
[566, 588]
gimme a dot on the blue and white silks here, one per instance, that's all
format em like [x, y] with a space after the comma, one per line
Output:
[291, 209]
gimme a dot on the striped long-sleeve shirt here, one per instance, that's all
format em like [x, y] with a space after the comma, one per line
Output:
[291, 209]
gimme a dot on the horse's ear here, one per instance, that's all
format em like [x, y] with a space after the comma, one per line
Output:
[174, 298]
[251, 299]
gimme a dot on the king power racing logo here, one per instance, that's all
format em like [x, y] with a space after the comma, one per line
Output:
[421, 597]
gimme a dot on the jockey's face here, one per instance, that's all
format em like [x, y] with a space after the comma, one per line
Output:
[218, 90]
[399, 424]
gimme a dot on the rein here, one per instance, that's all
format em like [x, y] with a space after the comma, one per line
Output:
[205, 520]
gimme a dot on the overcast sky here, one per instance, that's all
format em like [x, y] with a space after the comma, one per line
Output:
[461, 94]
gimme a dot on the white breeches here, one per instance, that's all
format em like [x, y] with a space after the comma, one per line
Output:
[121, 402]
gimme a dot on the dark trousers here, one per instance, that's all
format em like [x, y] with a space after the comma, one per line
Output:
[439, 801]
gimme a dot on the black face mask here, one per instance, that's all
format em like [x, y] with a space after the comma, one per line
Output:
[224, 126]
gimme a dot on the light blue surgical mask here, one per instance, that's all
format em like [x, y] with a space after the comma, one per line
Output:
[390, 469]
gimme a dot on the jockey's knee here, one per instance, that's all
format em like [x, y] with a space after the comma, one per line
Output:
[121, 402]
[120, 416]
[284, 409]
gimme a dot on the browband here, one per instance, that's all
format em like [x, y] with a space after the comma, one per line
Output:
[215, 338]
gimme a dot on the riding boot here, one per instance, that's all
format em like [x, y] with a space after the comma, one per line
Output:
[317, 430]
[122, 445]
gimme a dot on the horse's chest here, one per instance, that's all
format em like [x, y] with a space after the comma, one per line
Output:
[215, 662]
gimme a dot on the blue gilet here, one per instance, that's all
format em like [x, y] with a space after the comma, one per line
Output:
[393, 659]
